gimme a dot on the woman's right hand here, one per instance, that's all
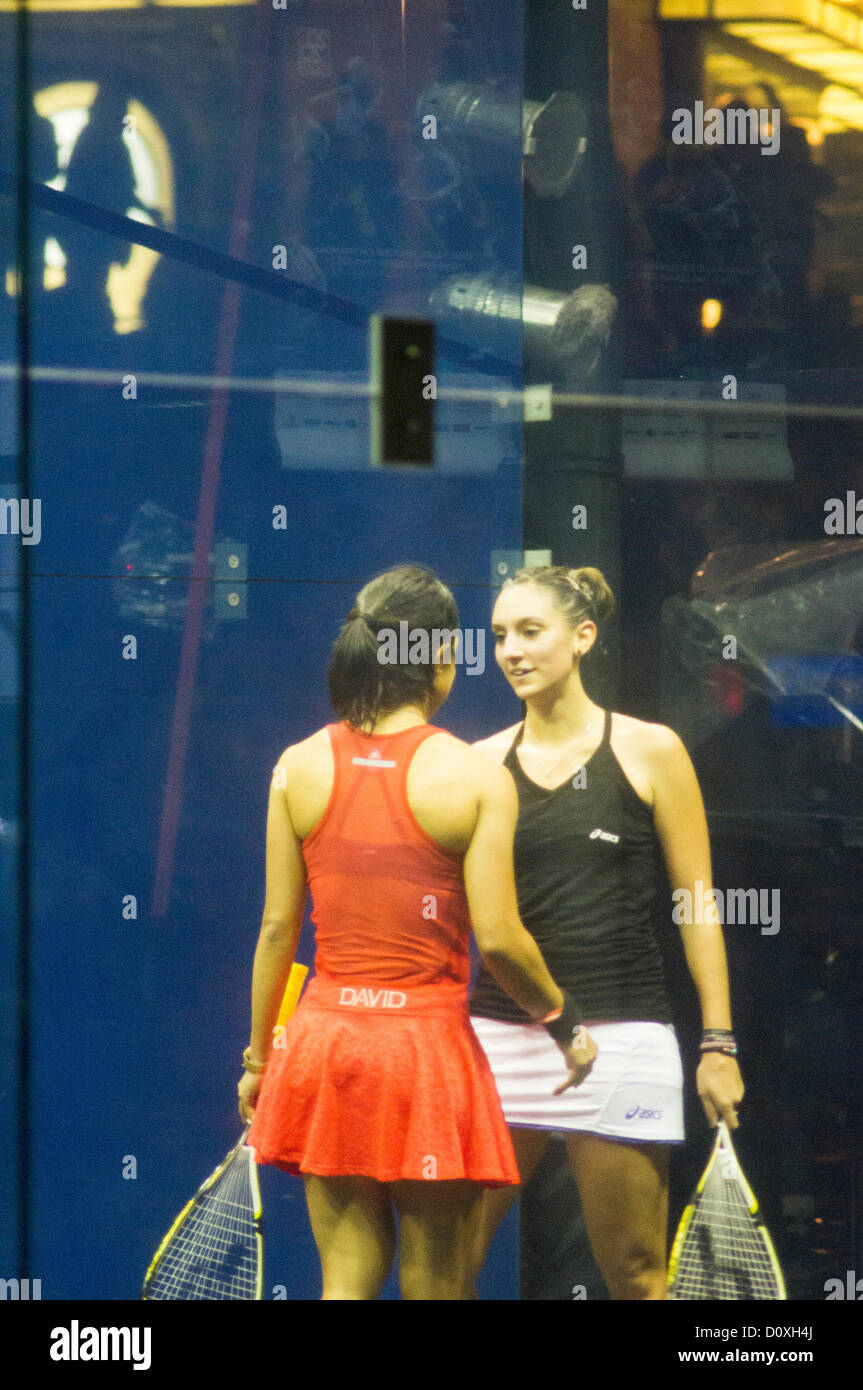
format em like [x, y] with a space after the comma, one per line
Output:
[580, 1056]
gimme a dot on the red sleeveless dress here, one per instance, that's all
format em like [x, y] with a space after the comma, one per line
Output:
[381, 1073]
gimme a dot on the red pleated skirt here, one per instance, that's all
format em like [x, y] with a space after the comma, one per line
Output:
[383, 1083]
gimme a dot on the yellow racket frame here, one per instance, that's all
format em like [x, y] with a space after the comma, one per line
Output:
[723, 1142]
[290, 999]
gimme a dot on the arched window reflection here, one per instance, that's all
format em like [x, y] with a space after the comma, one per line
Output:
[68, 107]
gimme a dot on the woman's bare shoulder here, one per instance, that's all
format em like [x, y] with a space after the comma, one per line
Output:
[496, 746]
[645, 736]
[306, 750]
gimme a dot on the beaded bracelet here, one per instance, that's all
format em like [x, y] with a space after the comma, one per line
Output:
[719, 1040]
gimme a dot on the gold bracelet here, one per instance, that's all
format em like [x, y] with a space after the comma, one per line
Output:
[249, 1065]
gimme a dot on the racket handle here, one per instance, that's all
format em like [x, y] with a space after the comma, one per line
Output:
[293, 988]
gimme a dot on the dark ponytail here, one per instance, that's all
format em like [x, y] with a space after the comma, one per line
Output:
[362, 688]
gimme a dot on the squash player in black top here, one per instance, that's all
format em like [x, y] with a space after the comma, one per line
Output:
[600, 797]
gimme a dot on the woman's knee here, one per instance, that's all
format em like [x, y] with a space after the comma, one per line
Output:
[633, 1270]
[420, 1283]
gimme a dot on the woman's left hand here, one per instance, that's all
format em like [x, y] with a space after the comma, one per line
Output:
[247, 1090]
[720, 1087]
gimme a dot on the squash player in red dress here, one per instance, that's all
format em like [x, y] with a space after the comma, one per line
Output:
[382, 1098]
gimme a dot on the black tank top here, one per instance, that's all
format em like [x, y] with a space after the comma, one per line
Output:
[586, 863]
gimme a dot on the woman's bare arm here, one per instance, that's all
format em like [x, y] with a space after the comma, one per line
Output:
[681, 825]
[282, 920]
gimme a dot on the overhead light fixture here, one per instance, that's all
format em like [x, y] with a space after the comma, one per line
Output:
[551, 136]
[555, 141]
[562, 333]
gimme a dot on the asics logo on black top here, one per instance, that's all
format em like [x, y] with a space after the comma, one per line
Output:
[587, 897]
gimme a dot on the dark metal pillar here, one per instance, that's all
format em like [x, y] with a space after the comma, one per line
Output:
[573, 460]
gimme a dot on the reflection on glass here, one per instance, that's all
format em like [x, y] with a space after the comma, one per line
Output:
[264, 178]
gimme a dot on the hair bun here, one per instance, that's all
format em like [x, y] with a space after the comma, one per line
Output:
[592, 584]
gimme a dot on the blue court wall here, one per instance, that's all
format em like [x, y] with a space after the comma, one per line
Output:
[141, 938]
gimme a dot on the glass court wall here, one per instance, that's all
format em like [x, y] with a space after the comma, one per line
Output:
[635, 227]
[243, 187]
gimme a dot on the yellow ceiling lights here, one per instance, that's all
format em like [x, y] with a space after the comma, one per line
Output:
[819, 53]
[824, 37]
[840, 105]
[838, 17]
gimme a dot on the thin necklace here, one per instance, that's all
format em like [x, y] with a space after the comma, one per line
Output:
[552, 767]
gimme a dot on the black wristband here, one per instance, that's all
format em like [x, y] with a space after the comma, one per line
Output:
[563, 1029]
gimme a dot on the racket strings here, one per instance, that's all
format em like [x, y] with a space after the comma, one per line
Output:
[213, 1255]
[724, 1254]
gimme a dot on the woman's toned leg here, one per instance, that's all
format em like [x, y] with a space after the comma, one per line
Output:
[529, 1145]
[436, 1225]
[354, 1229]
[624, 1193]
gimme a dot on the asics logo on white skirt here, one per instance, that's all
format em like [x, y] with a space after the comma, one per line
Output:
[637, 1113]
